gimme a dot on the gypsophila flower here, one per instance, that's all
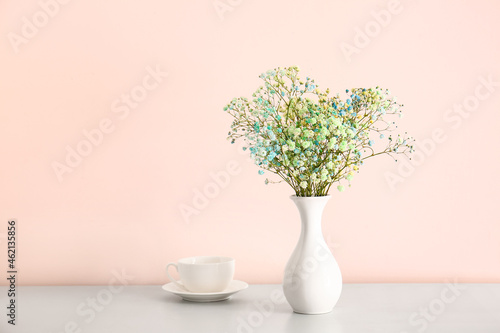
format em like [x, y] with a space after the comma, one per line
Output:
[310, 139]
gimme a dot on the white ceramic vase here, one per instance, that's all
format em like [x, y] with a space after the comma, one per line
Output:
[312, 282]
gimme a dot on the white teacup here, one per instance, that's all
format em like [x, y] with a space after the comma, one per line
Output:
[203, 274]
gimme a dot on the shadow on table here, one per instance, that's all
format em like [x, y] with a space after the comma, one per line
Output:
[327, 323]
[210, 317]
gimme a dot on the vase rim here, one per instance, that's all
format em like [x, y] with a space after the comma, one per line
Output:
[312, 197]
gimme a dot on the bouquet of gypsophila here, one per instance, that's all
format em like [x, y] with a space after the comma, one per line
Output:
[309, 138]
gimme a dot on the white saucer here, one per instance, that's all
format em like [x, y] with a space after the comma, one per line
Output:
[233, 288]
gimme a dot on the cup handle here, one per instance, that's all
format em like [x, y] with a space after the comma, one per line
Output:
[171, 278]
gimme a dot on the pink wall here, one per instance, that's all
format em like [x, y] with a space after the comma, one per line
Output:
[119, 207]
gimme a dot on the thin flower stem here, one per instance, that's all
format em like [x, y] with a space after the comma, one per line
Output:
[309, 139]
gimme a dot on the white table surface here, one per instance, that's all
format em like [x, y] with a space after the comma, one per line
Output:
[385, 308]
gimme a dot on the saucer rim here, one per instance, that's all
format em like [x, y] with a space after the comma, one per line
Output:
[244, 286]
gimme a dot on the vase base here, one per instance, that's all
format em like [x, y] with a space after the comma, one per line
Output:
[312, 313]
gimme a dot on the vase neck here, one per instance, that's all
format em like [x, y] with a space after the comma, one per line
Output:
[311, 210]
